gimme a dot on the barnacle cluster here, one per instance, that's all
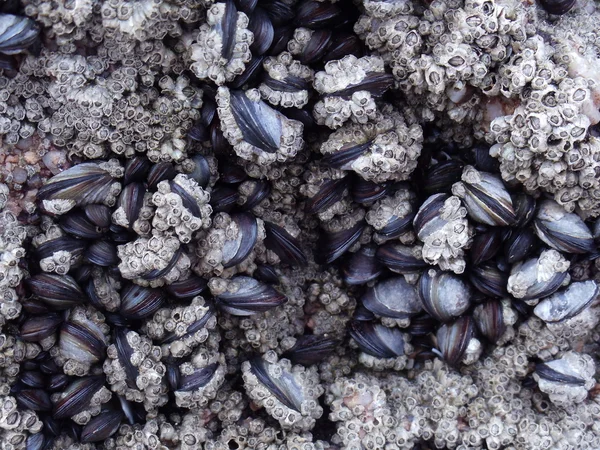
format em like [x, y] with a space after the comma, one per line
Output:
[299, 224]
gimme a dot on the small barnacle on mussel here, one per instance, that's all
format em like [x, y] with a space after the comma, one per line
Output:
[563, 231]
[443, 295]
[77, 396]
[485, 198]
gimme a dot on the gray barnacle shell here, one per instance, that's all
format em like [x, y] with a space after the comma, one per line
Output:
[568, 379]
[393, 298]
[563, 231]
[444, 295]
[16, 33]
[567, 303]
[485, 197]
[538, 277]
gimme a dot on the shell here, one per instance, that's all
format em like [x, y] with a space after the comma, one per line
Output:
[444, 295]
[393, 298]
[16, 33]
[377, 340]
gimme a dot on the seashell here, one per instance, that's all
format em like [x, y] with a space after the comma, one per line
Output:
[558, 372]
[557, 7]
[101, 427]
[568, 303]
[303, 115]
[483, 161]
[124, 354]
[563, 231]
[400, 258]
[160, 172]
[262, 28]
[191, 328]
[33, 379]
[101, 253]
[367, 192]
[332, 245]
[198, 132]
[489, 280]
[69, 244]
[315, 49]
[198, 379]
[280, 11]
[36, 328]
[440, 177]
[362, 314]
[345, 157]
[361, 267]
[377, 340]
[489, 319]
[524, 206]
[58, 382]
[157, 273]
[281, 36]
[77, 396]
[250, 298]
[246, 6]
[33, 306]
[134, 412]
[34, 399]
[285, 387]
[538, 277]
[173, 376]
[422, 325]
[251, 74]
[316, 14]
[519, 244]
[217, 139]
[266, 273]
[77, 224]
[343, 44]
[51, 426]
[260, 191]
[16, 33]
[393, 298]
[82, 184]
[485, 197]
[284, 245]
[202, 172]
[236, 251]
[375, 83]
[453, 339]
[121, 235]
[188, 288]
[331, 192]
[136, 170]
[486, 245]
[232, 174]
[223, 199]
[138, 302]
[82, 341]
[99, 215]
[58, 291]
[311, 349]
[130, 204]
[443, 295]
[37, 441]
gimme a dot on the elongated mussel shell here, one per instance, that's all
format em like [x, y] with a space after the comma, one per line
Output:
[440, 177]
[332, 245]
[377, 340]
[518, 245]
[76, 397]
[316, 14]
[16, 33]
[488, 279]
[453, 339]
[557, 7]
[393, 298]
[101, 427]
[284, 387]
[252, 297]
[138, 302]
[568, 303]
[34, 399]
[253, 192]
[361, 267]
[83, 184]
[311, 349]
[346, 155]
[538, 277]
[101, 253]
[444, 295]
[317, 47]
[82, 342]
[191, 329]
[37, 441]
[489, 319]
[223, 198]
[36, 328]
[124, 354]
[563, 231]
[367, 192]
[58, 291]
[136, 169]
[262, 28]
[188, 288]
[199, 378]
[63, 243]
[130, 204]
[284, 245]
[266, 273]
[236, 251]
[331, 192]
[77, 224]
[400, 258]
[343, 44]
[485, 197]
[524, 209]
[33, 379]
[160, 172]
[486, 245]
[554, 371]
